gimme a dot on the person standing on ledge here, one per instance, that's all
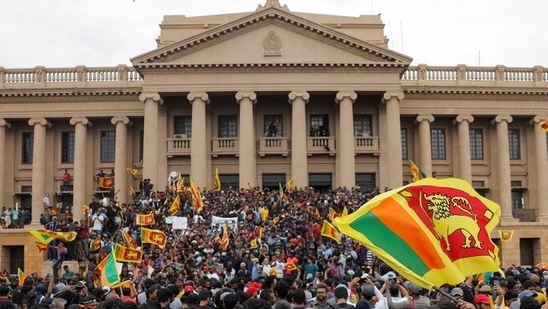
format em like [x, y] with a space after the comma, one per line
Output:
[66, 181]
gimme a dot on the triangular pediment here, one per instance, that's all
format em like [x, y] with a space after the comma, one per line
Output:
[271, 37]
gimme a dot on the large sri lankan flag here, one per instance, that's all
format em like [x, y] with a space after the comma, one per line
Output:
[431, 231]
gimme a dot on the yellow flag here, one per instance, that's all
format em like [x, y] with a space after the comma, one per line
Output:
[344, 212]
[217, 181]
[174, 208]
[330, 231]
[290, 185]
[22, 276]
[145, 219]
[415, 171]
[196, 196]
[132, 171]
[181, 184]
[332, 214]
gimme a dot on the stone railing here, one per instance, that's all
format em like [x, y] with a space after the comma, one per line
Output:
[178, 145]
[41, 77]
[466, 75]
[321, 145]
[366, 144]
[225, 146]
[273, 145]
[525, 214]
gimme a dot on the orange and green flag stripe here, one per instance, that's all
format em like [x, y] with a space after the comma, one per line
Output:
[392, 227]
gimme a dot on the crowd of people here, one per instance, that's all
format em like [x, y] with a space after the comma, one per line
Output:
[194, 271]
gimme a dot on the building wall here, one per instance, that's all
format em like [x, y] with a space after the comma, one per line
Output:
[228, 70]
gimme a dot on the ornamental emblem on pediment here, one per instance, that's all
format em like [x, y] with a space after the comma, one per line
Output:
[272, 45]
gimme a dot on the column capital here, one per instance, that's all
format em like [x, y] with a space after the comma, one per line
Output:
[501, 118]
[191, 96]
[390, 95]
[154, 96]
[123, 119]
[345, 94]
[533, 121]
[429, 118]
[462, 118]
[81, 120]
[39, 121]
[298, 94]
[4, 123]
[250, 95]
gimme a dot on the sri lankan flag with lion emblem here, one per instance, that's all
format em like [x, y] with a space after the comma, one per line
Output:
[431, 231]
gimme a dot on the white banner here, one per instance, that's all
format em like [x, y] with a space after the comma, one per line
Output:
[180, 223]
[220, 222]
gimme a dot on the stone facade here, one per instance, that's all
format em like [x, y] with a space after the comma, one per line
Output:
[347, 111]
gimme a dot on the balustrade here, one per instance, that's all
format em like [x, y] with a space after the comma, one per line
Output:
[526, 77]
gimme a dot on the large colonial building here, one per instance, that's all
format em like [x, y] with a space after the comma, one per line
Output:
[269, 95]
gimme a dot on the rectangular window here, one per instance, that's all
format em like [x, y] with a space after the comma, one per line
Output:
[273, 181]
[273, 125]
[67, 147]
[476, 144]
[404, 149]
[319, 125]
[518, 199]
[514, 144]
[363, 125]
[182, 125]
[108, 146]
[228, 126]
[28, 147]
[366, 181]
[230, 181]
[527, 250]
[437, 138]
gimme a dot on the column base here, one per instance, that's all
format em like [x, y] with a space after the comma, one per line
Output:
[34, 226]
[507, 220]
[542, 218]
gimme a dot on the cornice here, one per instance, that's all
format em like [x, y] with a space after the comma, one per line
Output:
[25, 93]
[251, 66]
[475, 91]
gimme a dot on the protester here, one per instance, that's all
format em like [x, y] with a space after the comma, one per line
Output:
[268, 234]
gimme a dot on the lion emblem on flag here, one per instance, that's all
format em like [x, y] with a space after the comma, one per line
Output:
[447, 223]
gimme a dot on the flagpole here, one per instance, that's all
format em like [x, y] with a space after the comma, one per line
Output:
[448, 295]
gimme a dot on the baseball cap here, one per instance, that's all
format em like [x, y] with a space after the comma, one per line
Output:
[486, 288]
[481, 299]
[254, 288]
[457, 292]
[90, 299]
[189, 289]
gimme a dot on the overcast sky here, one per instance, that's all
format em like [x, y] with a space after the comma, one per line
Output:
[66, 33]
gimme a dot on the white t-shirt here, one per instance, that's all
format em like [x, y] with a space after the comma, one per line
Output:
[98, 221]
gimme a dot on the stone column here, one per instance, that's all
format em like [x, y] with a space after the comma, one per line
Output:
[198, 149]
[151, 143]
[120, 159]
[503, 166]
[80, 177]
[345, 145]
[248, 155]
[3, 125]
[425, 163]
[38, 167]
[541, 161]
[393, 133]
[465, 161]
[299, 162]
